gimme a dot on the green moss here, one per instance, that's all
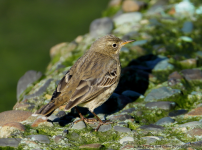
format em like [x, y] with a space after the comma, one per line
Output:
[110, 11]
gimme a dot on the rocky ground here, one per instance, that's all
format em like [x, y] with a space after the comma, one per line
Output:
[158, 102]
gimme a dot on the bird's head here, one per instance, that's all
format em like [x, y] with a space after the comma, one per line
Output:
[109, 44]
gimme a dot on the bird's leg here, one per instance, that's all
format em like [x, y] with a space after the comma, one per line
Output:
[101, 122]
[86, 120]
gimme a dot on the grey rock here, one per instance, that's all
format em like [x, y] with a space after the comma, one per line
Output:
[152, 127]
[121, 129]
[80, 125]
[105, 128]
[12, 142]
[101, 26]
[53, 118]
[130, 18]
[27, 79]
[58, 138]
[40, 91]
[161, 93]
[41, 138]
[187, 27]
[191, 124]
[158, 7]
[131, 94]
[177, 113]
[150, 139]
[61, 114]
[126, 139]
[199, 54]
[192, 74]
[130, 110]
[121, 117]
[163, 65]
[165, 120]
[161, 105]
[172, 82]
[123, 124]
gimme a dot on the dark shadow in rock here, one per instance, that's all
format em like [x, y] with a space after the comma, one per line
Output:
[177, 112]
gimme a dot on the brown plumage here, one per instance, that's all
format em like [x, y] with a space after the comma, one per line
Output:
[91, 80]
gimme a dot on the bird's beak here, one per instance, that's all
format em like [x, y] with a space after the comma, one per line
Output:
[126, 42]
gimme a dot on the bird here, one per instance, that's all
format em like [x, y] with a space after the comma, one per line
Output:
[91, 80]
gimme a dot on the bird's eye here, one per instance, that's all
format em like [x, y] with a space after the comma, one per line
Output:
[114, 45]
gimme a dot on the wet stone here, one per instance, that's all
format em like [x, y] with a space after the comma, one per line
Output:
[165, 120]
[80, 125]
[152, 127]
[192, 74]
[105, 128]
[126, 139]
[195, 132]
[150, 139]
[12, 142]
[121, 129]
[121, 117]
[131, 94]
[177, 113]
[161, 93]
[101, 26]
[40, 138]
[27, 79]
[161, 105]
[130, 110]
[191, 124]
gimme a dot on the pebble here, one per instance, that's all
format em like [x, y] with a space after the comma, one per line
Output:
[152, 127]
[150, 139]
[61, 114]
[13, 116]
[41, 121]
[175, 75]
[41, 138]
[113, 3]
[8, 128]
[130, 6]
[80, 125]
[187, 27]
[131, 94]
[101, 27]
[177, 113]
[94, 145]
[126, 139]
[130, 110]
[166, 105]
[12, 142]
[105, 128]
[121, 117]
[58, 138]
[163, 65]
[131, 18]
[189, 63]
[192, 74]
[195, 112]
[161, 93]
[26, 80]
[165, 120]
[191, 124]
[121, 129]
[195, 132]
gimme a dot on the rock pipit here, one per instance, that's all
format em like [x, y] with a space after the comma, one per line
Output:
[91, 80]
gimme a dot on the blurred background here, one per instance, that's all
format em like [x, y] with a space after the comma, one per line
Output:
[28, 29]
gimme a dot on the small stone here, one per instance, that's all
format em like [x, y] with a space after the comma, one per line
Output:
[197, 144]
[26, 80]
[121, 117]
[177, 113]
[175, 75]
[165, 120]
[152, 127]
[105, 128]
[192, 74]
[121, 129]
[163, 65]
[172, 82]
[131, 18]
[189, 63]
[130, 110]
[12, 142]
[8, 128]
[58, 138]
[94, 145]
[113, 3]
[79, 39]
[191, 124]
[13, 116]
[41, 121]
[23, 106]
[187, 27]
[161, 93]
[131, 94]
[101, 27]
[150, 139]
[195, 112]
[195, 132]
[161, 105]
[126, 139]
[40, 138]
[61, 114]
[130, 6]
[80, 125]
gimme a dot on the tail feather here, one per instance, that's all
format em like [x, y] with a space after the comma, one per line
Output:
[47, 110]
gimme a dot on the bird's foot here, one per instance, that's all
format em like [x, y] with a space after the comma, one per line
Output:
[106, 122]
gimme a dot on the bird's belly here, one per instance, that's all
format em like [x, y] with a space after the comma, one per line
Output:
[99, 100]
